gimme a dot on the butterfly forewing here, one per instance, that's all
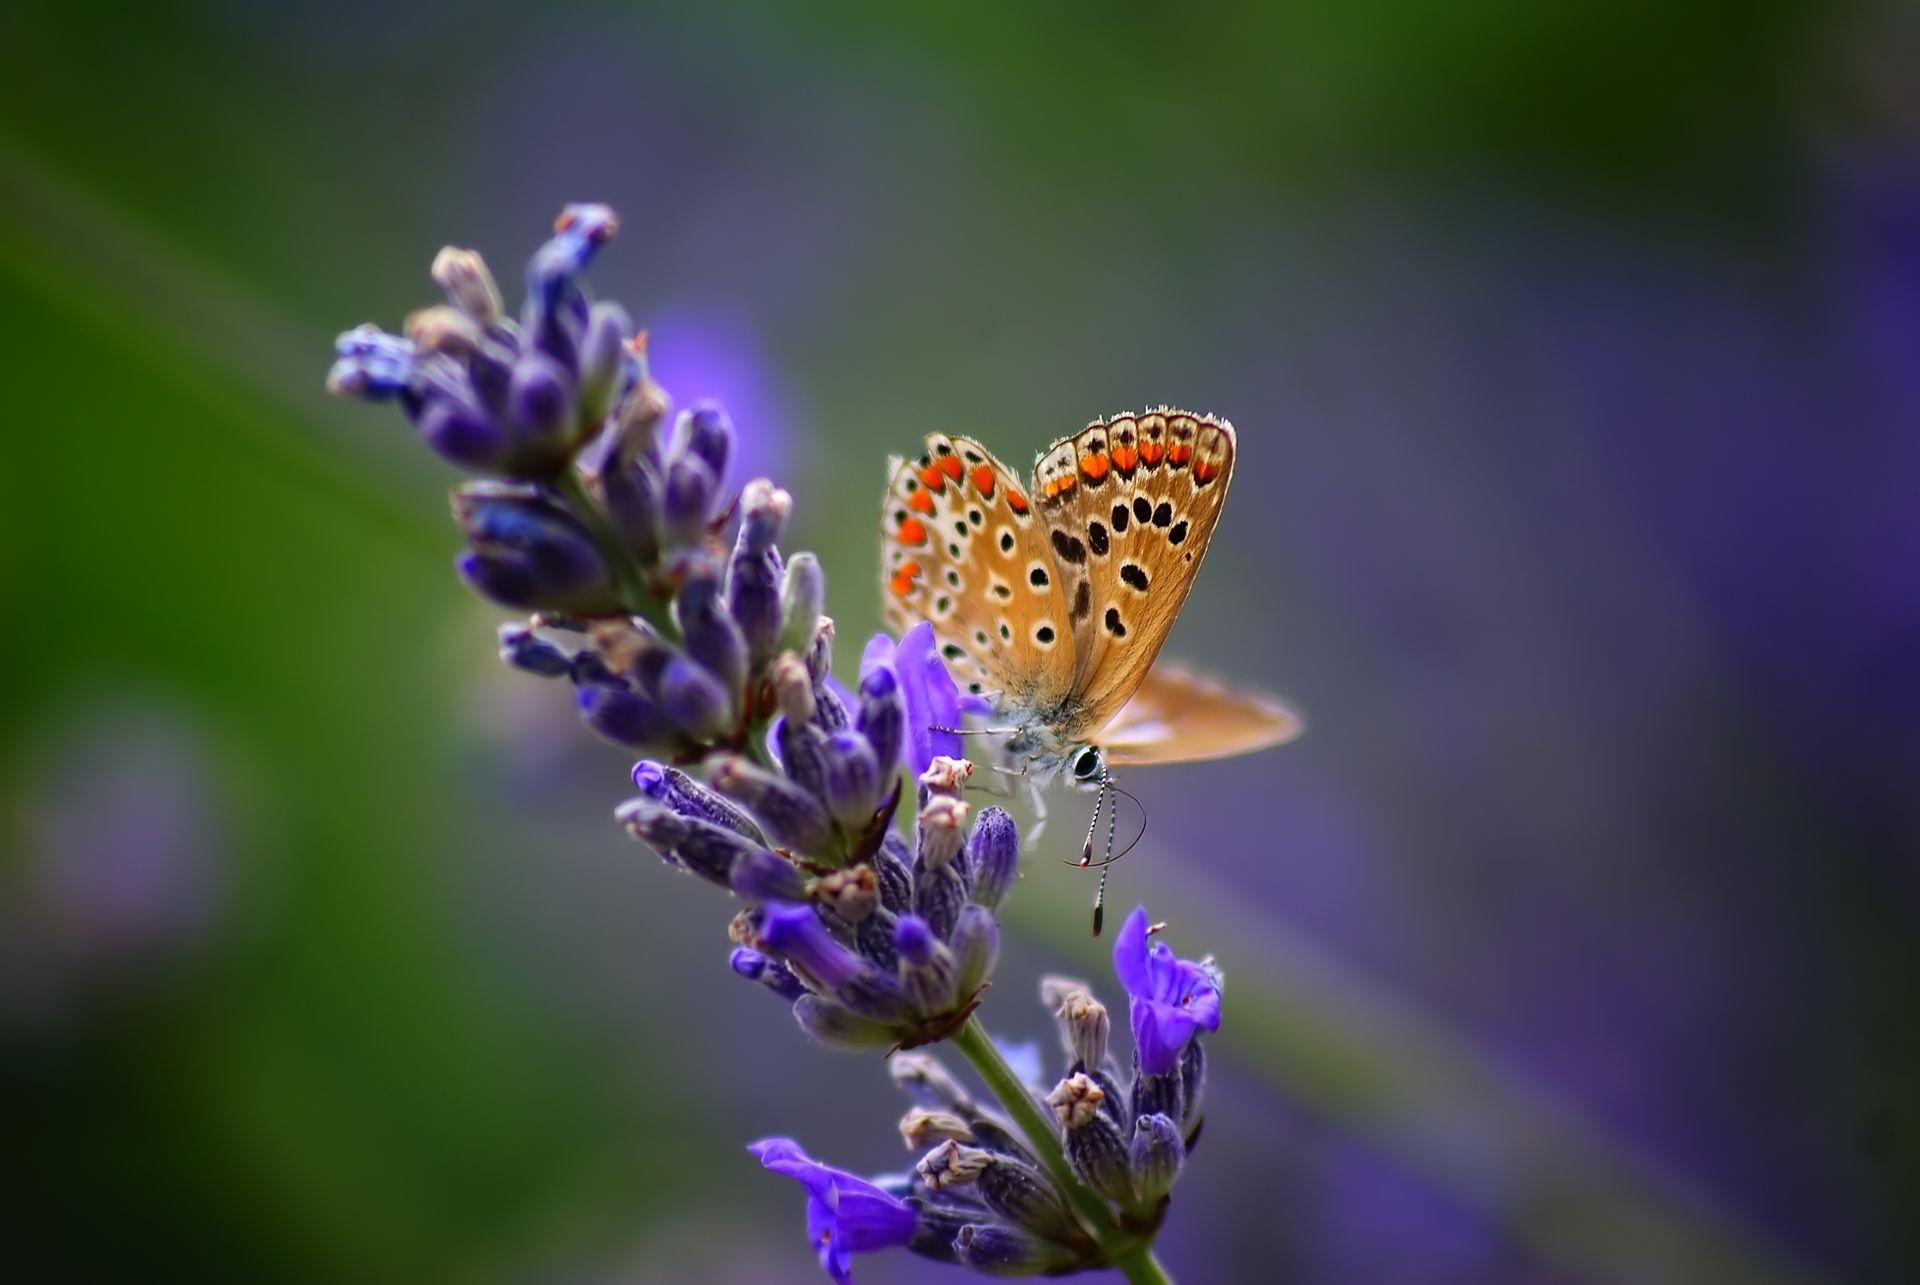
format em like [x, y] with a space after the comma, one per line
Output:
[1130, 505]
[964, 548]
[1179, 716]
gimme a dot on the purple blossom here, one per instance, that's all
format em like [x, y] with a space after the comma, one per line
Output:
[846, 1214]
[1172, 999]
[933, 699]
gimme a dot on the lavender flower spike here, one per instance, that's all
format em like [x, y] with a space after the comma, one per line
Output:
[846, 1214]
[1172, 999]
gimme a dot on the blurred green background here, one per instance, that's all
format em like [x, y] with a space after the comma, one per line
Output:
[1575, 353]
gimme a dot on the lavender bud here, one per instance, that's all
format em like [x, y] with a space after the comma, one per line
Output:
[792, 687]
[840, 1027]
[1016, 1191]
[771, 973]
[462, 434]
[890, 870]
[1156, 1094]
[469, 286]
[943, 823]
[830, 712]
[525, 650]
[883, 717]
[975, 942]
[803, 600]
[803, 755]
[760, 875]
[688, 797]
[637, 433]
[819, 651]
[873, 937]
[753, 577]
[794, 933]
[924, 1079]
[712, 637]
[852, 779]
[1156, 1156]
[603, 361]
[527, 552]
[372, 364]
[946, 776]
[1084, 1024]
[926, 966]
[446, 331]
[625, 717]
[953, 1164]
[706, 434]
[938, 896]
[999, 1250]
[921, 1128]
[707, 850]
[694, 699]
[1094, 1145]
[541, 410]
[630, 492]
[788, 813]
[993, 850]
[937, 1227]
[1193, 1084]
[687, 499]
[853, 894]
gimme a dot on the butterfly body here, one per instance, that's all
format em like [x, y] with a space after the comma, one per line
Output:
[1052, 595]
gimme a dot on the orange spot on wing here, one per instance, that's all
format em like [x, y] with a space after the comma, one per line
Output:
[1125, 457]
[920, 500]
[1150, 452]
[1095, 465]
[1205, 470]
[933, 478]
[1016, 501]
[913, 531]
[1060, 485]
[1179, 453]
[983, 479]
[903, 578]
[953, 466]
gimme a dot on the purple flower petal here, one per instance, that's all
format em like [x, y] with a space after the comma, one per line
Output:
[846, 1214]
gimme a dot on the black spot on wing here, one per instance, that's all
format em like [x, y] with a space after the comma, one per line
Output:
[1068, 547]
[1082, 600]
[1134, 577]
[1097, 537]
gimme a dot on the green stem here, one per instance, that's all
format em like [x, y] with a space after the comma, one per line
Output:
[1132, 1257]
[1141, 1267]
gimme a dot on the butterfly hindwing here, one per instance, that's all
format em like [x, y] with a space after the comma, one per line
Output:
[964, 549]
[1130, 505]
[1179, 716]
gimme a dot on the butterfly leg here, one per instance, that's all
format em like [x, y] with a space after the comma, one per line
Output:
[1037, 799]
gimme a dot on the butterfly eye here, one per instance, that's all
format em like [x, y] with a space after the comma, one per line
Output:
[1086, 764]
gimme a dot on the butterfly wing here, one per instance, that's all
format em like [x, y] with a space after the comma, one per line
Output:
[1178, 716]
[1130, 505]
[962, 547]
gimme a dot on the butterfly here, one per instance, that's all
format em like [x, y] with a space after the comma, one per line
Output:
[1053, 597]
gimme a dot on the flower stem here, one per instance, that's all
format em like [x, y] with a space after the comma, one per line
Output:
[1141, 1267]
[1131, 1256]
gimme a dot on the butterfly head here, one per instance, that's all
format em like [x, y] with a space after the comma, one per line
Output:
[1087, 767]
